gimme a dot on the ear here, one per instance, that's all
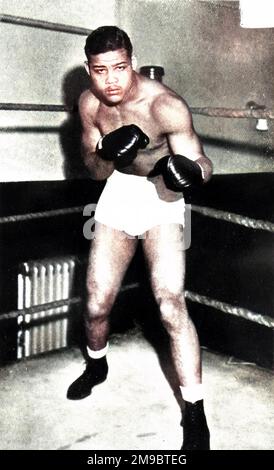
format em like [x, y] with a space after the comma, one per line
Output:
[134, 62]
[87, 67]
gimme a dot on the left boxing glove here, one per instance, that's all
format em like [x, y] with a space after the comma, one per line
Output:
[178, 172]
[121, 146]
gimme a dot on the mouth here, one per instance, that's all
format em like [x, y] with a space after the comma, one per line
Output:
[113, 91]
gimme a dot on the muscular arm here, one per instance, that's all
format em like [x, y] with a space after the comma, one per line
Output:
[176, 121]
[99, 169]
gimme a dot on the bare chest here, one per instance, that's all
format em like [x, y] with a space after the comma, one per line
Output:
[110, 118]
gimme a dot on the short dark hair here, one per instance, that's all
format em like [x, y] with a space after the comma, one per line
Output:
[107, 38]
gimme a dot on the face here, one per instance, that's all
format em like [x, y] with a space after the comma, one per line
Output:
[111, 76]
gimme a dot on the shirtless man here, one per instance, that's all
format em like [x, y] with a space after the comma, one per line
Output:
[138, 134]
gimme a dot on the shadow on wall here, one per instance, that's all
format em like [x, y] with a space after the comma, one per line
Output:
[264, 149]
[75, 82]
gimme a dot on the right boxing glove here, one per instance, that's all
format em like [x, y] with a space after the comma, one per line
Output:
[121, 146]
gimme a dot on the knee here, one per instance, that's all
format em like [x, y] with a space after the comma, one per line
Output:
[173, 310]
[98, 306]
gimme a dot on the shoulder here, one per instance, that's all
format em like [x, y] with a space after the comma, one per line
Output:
[170, 106]
[164, 102]
[87, 104]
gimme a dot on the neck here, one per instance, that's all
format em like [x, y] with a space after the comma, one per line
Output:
[132, 93]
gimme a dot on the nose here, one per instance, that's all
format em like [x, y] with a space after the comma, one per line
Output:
[111, 77]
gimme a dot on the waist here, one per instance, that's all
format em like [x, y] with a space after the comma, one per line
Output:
[129, 181]
[142, 185]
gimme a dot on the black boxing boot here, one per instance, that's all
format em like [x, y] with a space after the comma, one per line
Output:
[94, 374]
[196, 432]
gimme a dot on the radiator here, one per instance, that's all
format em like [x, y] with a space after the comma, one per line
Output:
[40, 282]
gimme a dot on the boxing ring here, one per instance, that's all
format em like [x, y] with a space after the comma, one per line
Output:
[204, 213]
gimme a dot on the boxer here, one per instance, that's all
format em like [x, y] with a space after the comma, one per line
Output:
[138, 135]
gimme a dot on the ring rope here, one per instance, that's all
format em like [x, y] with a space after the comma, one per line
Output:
[234, 112]
[39, 215]
[259, 318]
[205, 111]
[63, 28]
[248, 222]
[52, 305]
[36, 107]
[39, 308]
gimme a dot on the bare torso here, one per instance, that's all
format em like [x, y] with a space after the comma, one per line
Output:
[161, 114]
[140, 111]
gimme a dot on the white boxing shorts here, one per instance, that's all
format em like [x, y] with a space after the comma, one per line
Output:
[131, 204]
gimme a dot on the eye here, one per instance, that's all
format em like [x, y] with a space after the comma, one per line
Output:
[121, 68]
[99, 71]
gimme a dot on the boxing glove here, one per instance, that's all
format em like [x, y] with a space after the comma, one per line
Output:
[121, 146]
[178, 172]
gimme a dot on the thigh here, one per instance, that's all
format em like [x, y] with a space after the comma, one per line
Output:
[110, 255]
[165, 256]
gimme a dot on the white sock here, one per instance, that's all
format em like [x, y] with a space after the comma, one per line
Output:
[193, 393]
[97, 354]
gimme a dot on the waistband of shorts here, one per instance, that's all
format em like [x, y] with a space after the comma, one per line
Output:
[117, 174]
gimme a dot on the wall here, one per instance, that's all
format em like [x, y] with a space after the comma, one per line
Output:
[211, 61]
[208, 59]
[40, 66]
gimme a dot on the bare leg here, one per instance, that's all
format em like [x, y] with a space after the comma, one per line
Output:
[163, 249]
[110, 256]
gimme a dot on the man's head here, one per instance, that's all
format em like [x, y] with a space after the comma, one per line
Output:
[109, 65]
[107, 38]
